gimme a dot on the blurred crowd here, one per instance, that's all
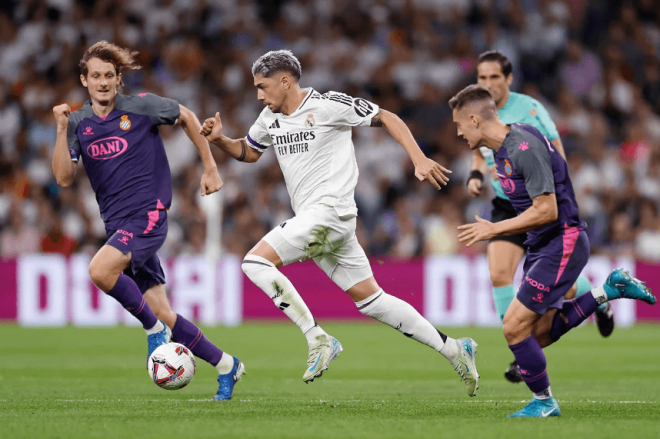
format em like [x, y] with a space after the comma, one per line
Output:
[594, 64]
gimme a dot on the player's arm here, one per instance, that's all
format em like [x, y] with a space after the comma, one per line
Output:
[235, 148]
[425, 168]
[548, 128]
[211, 181]
[542, 211]
[478, 170]
[559, 146]
[64, 168]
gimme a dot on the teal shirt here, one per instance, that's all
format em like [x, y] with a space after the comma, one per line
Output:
[521, 108]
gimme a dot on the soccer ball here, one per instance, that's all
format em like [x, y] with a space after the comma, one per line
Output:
[172, 366]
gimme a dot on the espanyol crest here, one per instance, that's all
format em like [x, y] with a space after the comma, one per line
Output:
[125, 123]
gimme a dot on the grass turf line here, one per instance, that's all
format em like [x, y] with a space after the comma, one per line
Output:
[88, 383]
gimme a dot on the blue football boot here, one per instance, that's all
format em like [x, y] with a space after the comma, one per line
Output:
[228, 381]
[538, 408]
[158, 339]
[621, 285]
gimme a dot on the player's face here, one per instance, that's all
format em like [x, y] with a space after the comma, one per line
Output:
[466, 127]
[101, 81]
[271, 91]
[490, 76]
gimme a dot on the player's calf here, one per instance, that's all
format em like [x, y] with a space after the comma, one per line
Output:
[401, 316]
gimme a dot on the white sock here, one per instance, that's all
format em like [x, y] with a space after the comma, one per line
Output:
[159, 326]
[401, 316]
[226, 364]
[544, 394]
[313, 334]
[451, 349]
[599, 294]
[266, 276]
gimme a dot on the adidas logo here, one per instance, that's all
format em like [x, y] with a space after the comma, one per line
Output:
[275, 124]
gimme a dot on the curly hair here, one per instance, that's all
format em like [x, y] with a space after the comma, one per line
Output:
[118, 56]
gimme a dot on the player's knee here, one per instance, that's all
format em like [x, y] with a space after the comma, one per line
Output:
[99, 275]
[252, 264]
[501, 276]
[512, 329]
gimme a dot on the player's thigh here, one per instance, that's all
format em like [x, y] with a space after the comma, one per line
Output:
[519, 322]
[503, 260]
[106, 266]
[348, 267]
[266, 251]
[309, 235]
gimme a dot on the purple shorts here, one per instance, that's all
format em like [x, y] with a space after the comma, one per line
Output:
[142, 236]
[552, 269]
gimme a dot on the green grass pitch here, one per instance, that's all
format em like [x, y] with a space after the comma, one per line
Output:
[89, 383]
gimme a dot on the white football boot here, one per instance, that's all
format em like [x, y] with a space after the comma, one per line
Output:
[321, 353]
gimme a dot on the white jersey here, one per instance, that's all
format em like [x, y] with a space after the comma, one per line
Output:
[314, 148]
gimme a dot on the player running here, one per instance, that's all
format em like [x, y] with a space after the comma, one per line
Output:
[117, 138]
[310, 134]
[505, 252]
[535, 177]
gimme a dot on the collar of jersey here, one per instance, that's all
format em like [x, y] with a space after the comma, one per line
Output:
[506, 137]
[310, 92]
[112, 115]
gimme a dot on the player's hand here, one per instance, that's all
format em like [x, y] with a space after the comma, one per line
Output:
[61, 113]
[474, 187]
[211, 182]
[212, 128]
[429, 170]
[480, 231]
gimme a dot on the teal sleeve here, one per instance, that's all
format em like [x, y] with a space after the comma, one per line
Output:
[544, 123]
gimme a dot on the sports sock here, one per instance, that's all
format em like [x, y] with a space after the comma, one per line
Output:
[403, 317]
[226, 364]
[266, 276]
[158, 327]
[189, 335]
[127, 293]
[544, 394]
[572, 313]
[503, 297]
[584, 286]
[531, 360]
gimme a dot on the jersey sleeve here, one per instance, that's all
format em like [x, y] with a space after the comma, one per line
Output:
[161, 111]
[532, 159]
[72, 138]
[544, 123]
[348, 111]
[258, 137]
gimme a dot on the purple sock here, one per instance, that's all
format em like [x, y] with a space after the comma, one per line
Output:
[128, 294]
[531, 360]
[191, 336]
[572, 314]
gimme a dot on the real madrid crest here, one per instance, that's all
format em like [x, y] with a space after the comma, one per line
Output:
[508, 170]
[310, 122]
[125, 122]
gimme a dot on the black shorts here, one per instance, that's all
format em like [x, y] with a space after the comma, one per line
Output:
[503, 210]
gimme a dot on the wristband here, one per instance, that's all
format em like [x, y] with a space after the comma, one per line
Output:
[475, 174]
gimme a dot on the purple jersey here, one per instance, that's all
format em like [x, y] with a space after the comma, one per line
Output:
[124, 156]
[528, 166]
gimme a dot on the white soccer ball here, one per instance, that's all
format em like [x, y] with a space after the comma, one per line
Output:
[172, 366]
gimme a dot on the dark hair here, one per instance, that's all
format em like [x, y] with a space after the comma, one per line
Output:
[108, 52]
[277, 61]
[497, 56]
[471, 93]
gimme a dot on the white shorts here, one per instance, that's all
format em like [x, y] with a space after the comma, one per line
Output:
[319, 233]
